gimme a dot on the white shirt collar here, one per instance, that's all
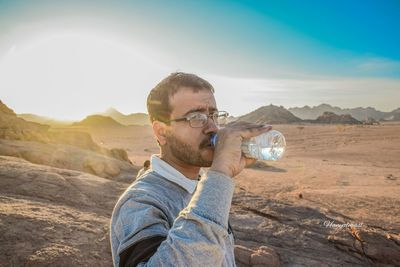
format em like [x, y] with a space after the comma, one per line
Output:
[172, 174]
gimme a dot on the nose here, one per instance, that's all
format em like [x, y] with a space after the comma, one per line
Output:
[210, 127]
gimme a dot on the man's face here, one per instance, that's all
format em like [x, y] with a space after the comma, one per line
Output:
[184, 143]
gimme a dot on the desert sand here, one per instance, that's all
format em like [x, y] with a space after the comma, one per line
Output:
[333, 200]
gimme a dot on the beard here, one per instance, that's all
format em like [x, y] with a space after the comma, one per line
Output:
[187, 154]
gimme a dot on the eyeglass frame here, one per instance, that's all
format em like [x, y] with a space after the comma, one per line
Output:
[187, 118]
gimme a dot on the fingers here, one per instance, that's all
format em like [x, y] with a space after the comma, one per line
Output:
[254, 131]
[228, 157]
[247, 130]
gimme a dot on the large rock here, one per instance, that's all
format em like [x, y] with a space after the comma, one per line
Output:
[299, 235]
[369, 244]
[85, 141]
[332, 118]
[70, 157]
[54, 217]
[370, 121]
[74, 138]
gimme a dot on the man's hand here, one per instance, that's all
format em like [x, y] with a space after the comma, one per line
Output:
[228, 158]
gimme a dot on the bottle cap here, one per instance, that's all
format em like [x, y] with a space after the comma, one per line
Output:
[213, 139]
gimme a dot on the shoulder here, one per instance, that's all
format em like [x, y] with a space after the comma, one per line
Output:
[146, 190]
[154, 184]
[144, 210]
[151, 193]
[139, 213]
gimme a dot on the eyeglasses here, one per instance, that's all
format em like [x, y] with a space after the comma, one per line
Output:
[198, 120]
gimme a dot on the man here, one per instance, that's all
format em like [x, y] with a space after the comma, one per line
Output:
[146, 166]
[168, 217]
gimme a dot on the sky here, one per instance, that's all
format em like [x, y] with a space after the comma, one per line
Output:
[70, 59]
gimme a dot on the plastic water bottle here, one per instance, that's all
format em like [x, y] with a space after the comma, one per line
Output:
[267, 146]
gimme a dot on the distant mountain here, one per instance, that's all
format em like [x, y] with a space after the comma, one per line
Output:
[361, 114]
[44, 120]
[98, 121]
[231, 119]
[15, 128]
[393, 116]
[131, 119]
[270, 114]
[396, 111]
[396, 117]
[332, 118]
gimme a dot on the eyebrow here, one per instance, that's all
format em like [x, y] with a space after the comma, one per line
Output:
[211, 109]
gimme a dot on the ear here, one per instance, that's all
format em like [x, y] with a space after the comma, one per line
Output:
[159, 131]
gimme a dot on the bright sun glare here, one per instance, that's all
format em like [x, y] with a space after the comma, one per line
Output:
[70, 65]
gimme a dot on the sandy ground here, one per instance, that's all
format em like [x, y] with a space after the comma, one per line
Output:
[350, 169]
[338, 161]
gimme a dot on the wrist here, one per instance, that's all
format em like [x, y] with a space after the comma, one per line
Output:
[225, 171]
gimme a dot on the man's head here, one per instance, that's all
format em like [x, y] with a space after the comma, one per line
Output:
[158, 101]
[177, 97]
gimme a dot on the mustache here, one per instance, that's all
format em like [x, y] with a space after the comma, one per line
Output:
[205, 142]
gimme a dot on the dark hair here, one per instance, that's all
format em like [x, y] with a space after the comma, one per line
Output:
[146, 163]
[158, 105]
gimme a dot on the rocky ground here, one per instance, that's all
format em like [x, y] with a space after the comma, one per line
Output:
[54, 217]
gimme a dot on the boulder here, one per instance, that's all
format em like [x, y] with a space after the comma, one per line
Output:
[70, 157]
[332, 118]
[54, 217]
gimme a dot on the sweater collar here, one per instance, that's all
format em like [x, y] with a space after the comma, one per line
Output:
[170, 173]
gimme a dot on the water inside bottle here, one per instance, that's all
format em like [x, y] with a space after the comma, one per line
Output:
[271, 153]
[268, 146]
[273, 147]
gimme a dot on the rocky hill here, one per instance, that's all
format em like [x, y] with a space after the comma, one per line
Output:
[6, 110]
[396, 117]
[98, 121]
[12, 127]
[332, 118]
[131, 119]
[44, 120]
[270, 115]
[62, 148]
[393, 116]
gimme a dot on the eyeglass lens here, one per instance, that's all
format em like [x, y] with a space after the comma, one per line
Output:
[199, 121]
